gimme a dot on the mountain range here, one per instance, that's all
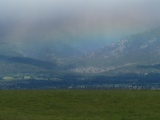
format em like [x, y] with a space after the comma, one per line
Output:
[137, 54]
[126, 55]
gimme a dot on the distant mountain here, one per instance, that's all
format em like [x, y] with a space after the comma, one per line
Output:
[30, 57]
[138, 53]
[142, 43]
[46, 50]
[12, 65]
[54, 52]
[124, 56]
[133, 61]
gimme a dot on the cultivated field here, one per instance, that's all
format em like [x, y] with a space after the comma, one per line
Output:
[79, 105]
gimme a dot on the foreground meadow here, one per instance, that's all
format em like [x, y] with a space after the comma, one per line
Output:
[79, 105]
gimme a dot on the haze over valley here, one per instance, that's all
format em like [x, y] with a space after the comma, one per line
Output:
[82, 44]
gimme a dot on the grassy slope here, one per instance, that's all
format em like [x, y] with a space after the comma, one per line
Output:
[79, 105]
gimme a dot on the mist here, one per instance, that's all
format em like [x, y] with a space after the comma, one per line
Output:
[85, 24]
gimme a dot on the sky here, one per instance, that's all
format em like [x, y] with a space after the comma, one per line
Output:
[85, 24]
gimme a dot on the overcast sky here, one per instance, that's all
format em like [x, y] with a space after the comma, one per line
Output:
[76, 20]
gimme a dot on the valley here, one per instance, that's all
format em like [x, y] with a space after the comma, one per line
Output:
[131, 63]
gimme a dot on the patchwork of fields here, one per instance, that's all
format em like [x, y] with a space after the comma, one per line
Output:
[79, 105]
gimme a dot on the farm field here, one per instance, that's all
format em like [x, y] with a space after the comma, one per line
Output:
[79, 105]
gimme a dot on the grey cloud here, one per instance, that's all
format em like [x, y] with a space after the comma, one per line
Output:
[66, 19]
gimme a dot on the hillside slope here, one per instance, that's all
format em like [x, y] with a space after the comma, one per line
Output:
[127, 55]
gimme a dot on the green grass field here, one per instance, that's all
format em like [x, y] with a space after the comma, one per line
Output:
[79, 105]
